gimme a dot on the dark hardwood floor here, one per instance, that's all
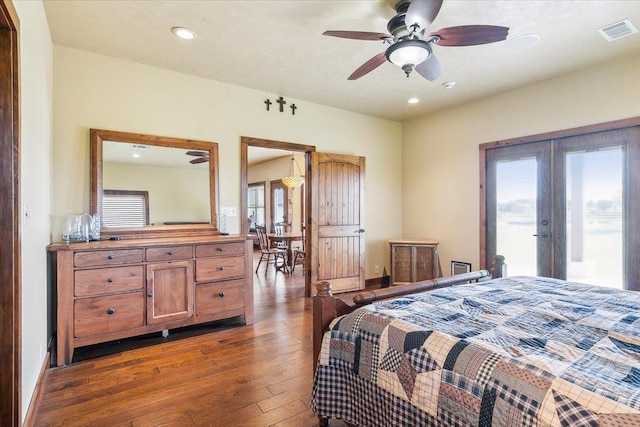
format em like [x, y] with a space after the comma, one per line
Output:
[221, 374]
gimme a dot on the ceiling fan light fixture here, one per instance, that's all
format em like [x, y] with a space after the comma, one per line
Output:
[408, 52]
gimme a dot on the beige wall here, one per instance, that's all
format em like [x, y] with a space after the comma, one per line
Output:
[36, 82]
[440, 151]
[94, 91]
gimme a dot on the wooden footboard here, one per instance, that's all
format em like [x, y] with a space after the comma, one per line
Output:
[327, 307]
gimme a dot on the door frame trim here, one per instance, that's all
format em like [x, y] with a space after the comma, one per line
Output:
[245, 143]
[10, 257]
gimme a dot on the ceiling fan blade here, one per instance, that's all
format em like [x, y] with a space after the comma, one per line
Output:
[422, 13]
[429, 69]
[470, 35]
[196, 153]
[368, 66]
[358, 35]
[199, 160]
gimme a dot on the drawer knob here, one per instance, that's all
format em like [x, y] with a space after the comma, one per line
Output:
[221, 268]
[170, 253]
[150, 295]
[111, 310]
[221, 294]
[109, 256]
[110, 280]
[219, 249]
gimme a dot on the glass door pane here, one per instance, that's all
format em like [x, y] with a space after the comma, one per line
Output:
[516, 215]
[279, 207]
[594, 219]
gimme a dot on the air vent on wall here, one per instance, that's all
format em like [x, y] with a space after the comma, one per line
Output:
[618, 30]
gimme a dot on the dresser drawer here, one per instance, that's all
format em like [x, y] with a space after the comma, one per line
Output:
[219, 249]
[98, 258]
[168, 253]
[218, 297]
[99, 315]
[108, 280]
[208, 269]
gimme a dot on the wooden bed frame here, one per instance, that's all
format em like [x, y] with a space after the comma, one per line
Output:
[327, 307]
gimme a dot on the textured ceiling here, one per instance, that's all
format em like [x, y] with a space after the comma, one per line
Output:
[278, 46]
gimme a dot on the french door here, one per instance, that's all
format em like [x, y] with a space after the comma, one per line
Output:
[567, 207]
[279, 205]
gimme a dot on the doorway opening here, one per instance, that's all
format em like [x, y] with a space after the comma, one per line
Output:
[263, 162]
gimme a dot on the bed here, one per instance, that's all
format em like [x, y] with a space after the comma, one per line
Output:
[513, 351]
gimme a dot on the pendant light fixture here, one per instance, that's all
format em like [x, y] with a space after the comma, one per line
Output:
[292, 180]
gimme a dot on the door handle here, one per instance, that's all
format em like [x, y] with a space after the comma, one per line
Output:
[359, 231]
[541, 235]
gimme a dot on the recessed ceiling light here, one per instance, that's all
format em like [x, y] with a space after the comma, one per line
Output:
[522, 42]
[413, 101]
[184, 33]
[136, 155]
[449, 85]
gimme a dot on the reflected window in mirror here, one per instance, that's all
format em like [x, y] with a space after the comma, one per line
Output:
[256, 205]
[121, 208]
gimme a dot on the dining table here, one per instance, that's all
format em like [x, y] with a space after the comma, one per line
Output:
[287, 237]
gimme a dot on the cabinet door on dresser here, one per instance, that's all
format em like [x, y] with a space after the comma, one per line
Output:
[401, 257]
[426, 262]
[169, 291]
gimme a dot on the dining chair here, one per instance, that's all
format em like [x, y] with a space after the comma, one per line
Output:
[269, 252]
[279, 228]
[298, 253]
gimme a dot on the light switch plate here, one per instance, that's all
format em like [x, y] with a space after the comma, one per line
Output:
[228, 212]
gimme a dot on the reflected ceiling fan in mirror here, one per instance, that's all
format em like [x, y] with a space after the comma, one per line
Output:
[411, 47]
[201, 157]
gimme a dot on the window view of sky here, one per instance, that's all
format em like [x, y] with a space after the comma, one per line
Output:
[602, 178]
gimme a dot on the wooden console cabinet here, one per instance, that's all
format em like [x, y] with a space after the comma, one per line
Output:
[110, 290]
[413, 261]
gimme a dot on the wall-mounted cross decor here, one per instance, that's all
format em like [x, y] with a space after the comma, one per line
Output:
[280, 100]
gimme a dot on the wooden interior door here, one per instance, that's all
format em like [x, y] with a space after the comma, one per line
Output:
[337, 221]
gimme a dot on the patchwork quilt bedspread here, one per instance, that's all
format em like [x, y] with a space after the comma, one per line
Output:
[516, 351]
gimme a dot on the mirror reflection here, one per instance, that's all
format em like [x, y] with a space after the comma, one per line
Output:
[153, 185]
[147, 185]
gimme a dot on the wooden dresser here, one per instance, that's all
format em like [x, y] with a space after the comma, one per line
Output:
[110, 290]
[413, 261]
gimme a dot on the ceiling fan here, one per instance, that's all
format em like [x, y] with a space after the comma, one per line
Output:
[409, 48]
[201, 156]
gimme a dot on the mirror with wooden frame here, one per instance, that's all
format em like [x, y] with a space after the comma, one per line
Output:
[153, 186]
